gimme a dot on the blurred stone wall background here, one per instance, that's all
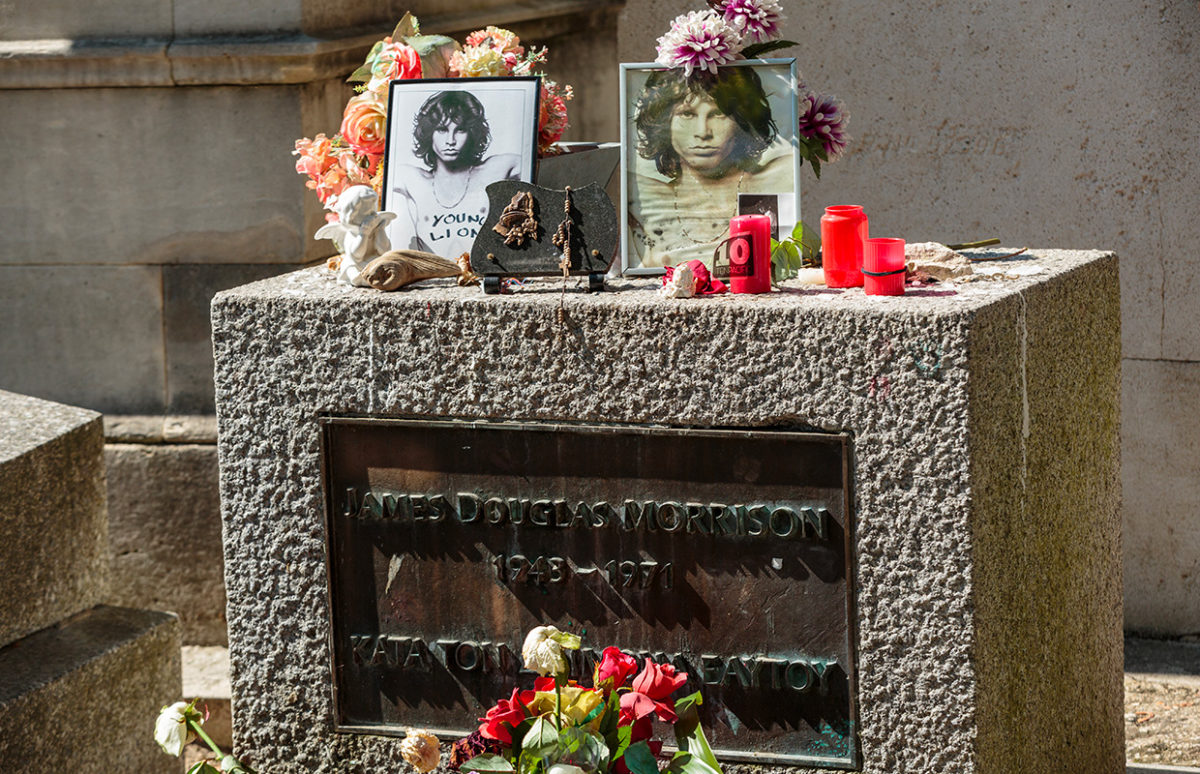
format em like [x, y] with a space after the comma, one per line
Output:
[148, 165]
[1045, 124]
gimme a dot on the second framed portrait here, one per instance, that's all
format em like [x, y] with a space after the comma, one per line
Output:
[697, 151]
[447, 139]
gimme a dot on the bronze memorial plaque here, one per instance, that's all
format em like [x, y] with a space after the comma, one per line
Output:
[724, 552]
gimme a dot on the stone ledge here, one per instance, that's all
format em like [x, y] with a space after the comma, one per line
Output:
[101, 677]
[242, 60]
[154, 428]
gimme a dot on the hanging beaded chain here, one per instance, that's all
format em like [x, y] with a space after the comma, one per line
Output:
[562, 240]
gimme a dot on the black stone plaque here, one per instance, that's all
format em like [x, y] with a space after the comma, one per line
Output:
[593, 233]
[724, 552]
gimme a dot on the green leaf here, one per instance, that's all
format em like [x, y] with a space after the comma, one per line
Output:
[689, 735]
[756, 50]
[798, 231]
[542, 738]
[567, 640]
[624, 734]
[640, 760]
[686, 763]
[406, 27]
[363, 73]
[203, 767]
[816, 165]
[435, 52]
[485, 764]
[608, 724]
[518, 733]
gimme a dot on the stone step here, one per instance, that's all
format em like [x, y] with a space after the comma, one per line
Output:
[54, 556]
[83, 694]
[206, 677]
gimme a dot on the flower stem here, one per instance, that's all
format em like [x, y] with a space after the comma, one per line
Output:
[207, 739]
[558, 700]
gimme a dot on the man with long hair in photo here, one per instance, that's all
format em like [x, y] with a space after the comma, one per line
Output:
[709, 139]
[442, 201]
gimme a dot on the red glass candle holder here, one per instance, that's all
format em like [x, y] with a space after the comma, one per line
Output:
[843, 232]
[883, 267]
[749, 246]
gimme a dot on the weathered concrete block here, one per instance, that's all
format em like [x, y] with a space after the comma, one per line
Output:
[165, 532]
[84, 335]
[83, 695]
[187, 295]
[985, 482]
[1161, 487]
[54, 556]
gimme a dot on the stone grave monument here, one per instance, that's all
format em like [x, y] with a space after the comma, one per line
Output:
[880, 534]
[80, 682]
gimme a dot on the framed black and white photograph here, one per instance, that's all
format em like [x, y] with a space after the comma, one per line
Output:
[693, 147]
[447, 139]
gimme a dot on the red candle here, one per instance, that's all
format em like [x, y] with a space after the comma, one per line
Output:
[843, 231]
[883, 267]
[749, 247]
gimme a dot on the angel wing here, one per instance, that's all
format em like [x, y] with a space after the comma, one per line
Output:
[335, 231]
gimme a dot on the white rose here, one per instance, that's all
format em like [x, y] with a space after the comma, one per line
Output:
[564, 768]
[420, 748]
[171, 730]
[543, 650]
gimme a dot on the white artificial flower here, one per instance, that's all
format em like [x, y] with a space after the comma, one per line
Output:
[543, 650]
[171, 730]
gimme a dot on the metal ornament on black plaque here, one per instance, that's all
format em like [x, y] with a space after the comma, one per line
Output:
[723, 552]
[593, 234]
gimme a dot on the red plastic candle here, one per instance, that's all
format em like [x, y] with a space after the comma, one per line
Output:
[883, 267]
[843, 232]
[749, 246]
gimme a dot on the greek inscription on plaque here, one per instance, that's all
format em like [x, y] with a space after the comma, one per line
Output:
[723, 552]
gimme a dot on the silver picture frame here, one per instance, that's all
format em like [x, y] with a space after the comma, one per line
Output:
[686, 159]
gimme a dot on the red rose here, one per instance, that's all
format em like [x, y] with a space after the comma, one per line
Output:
[614, 669]
[651, 694]
[658, 681]
[506, 715]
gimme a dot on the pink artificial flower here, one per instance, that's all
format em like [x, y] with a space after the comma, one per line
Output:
[823, 117]
[651, 694]
[757, 19]
[552, 118]
[395, 61]
[699, 40]
[351, 164]
[364, 124]
[501, 40]
[314, 155]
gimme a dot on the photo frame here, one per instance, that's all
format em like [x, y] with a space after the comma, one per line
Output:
[447, 139]
[692, 148]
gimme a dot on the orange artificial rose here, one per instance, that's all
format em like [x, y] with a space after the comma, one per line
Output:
[364, 124]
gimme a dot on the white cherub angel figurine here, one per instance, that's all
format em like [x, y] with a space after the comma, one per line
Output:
[359, 229]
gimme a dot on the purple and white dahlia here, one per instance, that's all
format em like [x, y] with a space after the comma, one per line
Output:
[756, 19]
[822, 117]
[699, 40]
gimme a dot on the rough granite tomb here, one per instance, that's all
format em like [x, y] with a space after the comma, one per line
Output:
[881, 534]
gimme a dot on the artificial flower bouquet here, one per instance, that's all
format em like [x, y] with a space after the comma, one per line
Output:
[562, 727]
[354, 155]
